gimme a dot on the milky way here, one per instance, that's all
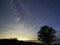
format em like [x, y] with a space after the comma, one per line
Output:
[23, 18]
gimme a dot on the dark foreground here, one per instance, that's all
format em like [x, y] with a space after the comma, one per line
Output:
[16, 42]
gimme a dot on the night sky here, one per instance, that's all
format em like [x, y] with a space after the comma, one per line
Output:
[22, 19]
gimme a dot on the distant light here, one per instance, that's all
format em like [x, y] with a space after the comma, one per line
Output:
[23, 39]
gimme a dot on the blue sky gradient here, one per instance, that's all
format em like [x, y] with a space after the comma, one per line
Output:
[23, 18]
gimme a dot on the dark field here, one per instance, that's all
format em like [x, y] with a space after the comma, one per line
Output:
[16, 42]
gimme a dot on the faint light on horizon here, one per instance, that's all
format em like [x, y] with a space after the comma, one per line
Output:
[23, 39]
[27, 39]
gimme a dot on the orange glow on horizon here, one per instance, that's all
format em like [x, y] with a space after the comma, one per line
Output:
[27, 39]
[23, 39]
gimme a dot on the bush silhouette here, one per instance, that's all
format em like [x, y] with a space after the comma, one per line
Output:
[46, 35]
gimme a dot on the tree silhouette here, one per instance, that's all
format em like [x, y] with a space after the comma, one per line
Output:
[46, 35]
